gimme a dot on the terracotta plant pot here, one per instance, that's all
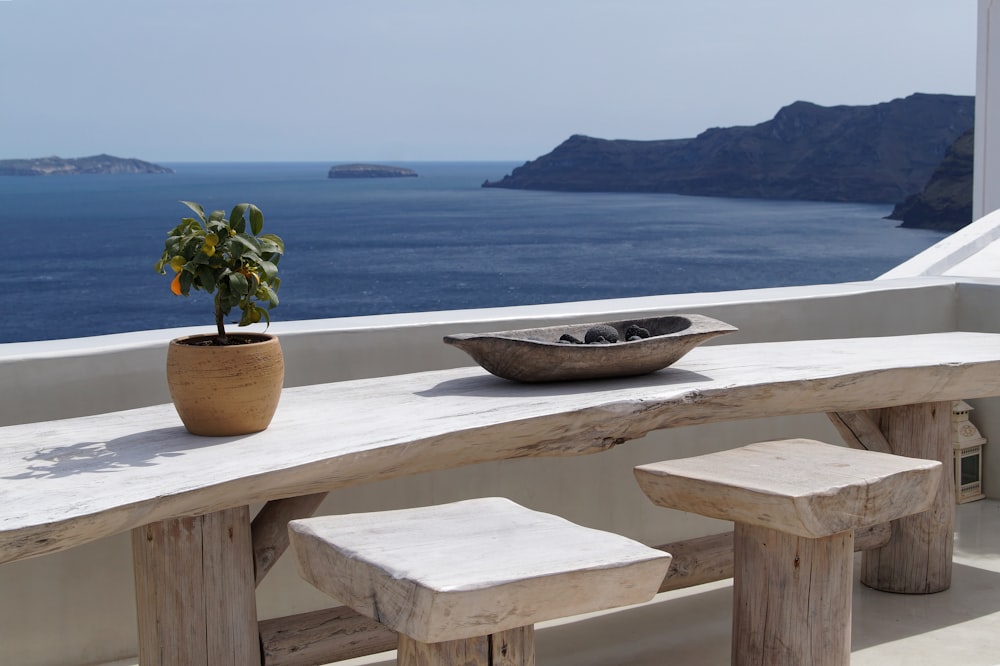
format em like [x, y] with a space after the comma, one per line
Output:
[225, 390]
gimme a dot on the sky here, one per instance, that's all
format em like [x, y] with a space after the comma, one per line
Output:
[398, 80]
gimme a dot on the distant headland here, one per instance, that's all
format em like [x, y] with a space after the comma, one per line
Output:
[880, 153]
[370, 171]
[945, 203]
[58, 166]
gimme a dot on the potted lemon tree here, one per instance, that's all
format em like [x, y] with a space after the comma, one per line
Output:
[225, 383]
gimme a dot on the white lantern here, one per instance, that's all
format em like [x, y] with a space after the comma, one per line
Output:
[968, 444]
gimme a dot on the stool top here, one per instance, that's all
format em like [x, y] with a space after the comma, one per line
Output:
[798, 486]
[471, 568]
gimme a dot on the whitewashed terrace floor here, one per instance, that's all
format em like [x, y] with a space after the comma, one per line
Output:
[692, 627]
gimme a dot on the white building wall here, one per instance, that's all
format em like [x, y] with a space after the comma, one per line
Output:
[986, 181]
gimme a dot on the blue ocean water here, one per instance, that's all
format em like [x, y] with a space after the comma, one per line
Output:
[80, 250]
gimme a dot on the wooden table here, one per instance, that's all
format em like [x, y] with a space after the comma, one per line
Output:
[185, 498]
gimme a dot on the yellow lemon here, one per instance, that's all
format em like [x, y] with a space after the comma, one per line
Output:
[177, 263]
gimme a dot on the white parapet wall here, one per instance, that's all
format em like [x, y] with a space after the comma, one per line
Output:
[48, 380]
[77, 607]
[973, 251]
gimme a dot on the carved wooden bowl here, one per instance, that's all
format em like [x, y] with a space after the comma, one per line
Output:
[537, 355]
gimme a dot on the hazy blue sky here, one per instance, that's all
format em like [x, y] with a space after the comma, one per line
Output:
[382, 80]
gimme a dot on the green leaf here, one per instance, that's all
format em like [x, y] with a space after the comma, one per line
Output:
[239, 225]
[219, 228]
[185, 282]
[206, 278]
[190, 246]
[237, 214]
[239, 284]
[268, 245]
[267, 294]
[225, 298]
[188, 225]
[196, 208]
[200, 259]
[256, 219]
[269, 270]
[249, 242]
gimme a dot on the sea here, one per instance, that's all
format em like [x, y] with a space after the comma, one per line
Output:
[79, 250]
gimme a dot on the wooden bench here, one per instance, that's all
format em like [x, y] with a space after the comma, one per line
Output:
[796, 504]
[464, 583]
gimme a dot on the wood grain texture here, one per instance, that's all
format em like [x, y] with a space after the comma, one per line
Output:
[515, 647]
[917, 560]
[471, 568]
[473, 651]
[859, 430]
[66, 483]
[698, 560]
[798, 486]
[194, 579]
[710, 558]
[322, 637]
[270, 529]
[791, 598]
[168, 596]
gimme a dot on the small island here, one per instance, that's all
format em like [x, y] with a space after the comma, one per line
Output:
[96, 164]
[370, 171]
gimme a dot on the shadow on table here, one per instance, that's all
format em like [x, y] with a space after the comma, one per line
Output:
[140, 449]
[492, 386]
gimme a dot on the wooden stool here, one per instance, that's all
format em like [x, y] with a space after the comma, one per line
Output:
[796, 504]
[464, 583]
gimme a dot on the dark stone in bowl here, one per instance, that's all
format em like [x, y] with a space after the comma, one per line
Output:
[601, 333]
[537, 355]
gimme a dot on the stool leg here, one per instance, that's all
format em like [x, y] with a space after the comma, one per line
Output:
[515, 647]
[791, 598]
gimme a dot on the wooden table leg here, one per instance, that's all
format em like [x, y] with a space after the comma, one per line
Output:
[195, 597]
[917, 559]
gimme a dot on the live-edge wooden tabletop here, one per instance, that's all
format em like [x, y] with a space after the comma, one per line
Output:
[64, 483]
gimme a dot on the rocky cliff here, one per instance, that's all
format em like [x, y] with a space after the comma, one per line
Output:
[945, 203]
[880, 153]
[57, 166]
